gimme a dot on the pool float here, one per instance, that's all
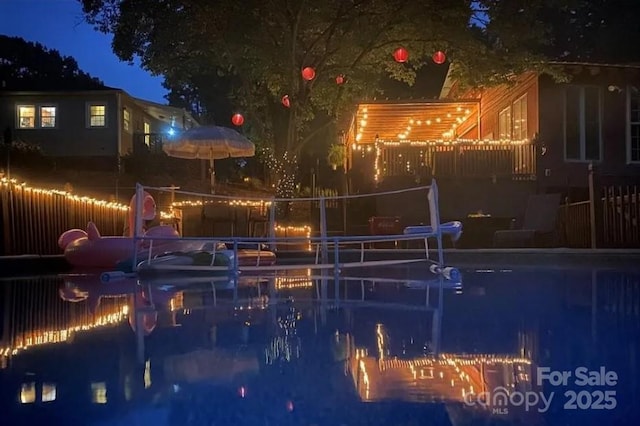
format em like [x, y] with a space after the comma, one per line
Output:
[91, 250]
[212, 258]
[454, 229]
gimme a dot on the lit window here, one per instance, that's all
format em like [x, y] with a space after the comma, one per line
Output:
[504, 124]
[99, 393]
[28, 393]
[147, 136]
[26, 116]
[633, 129]
[520, 118]
[97, 115]
[126, 120]
[48, 392]
[47, 116]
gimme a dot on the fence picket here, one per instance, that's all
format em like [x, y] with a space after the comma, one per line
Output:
[33, 219]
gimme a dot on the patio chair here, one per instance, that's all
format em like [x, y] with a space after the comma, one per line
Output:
[538, 227]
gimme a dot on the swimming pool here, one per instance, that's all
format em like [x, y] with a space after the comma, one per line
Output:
[386, 347]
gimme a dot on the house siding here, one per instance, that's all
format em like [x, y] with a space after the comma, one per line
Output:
[554, 170]
[71, 137]
[495, 99]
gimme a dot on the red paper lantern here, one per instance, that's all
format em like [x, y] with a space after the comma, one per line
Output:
[285, 101]
[340, 79]
[237, 119]
[308, 73]
[401, 55]
[439, 57]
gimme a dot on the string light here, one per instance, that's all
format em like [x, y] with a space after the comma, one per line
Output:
[13, 183]
[285, 169]
[295, 231]
[363, 123]
[294, 282]
[116, 316]
[379, 168]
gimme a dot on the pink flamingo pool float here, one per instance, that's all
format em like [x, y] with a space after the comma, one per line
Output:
[91, 250]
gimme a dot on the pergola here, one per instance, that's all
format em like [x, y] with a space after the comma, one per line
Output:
[434, 120]
[423, 138]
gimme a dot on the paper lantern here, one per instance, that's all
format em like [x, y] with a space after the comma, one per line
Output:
[401, 55]
[308, 73]
[285, 101]
[439, 57]
[340, 79]
[237, 119]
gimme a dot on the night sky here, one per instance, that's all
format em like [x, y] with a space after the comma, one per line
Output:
[58, 24]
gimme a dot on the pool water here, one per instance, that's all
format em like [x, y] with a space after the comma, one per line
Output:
[395, 346]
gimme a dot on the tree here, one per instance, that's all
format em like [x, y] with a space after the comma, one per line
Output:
[602, 31]
[30, 66]
[254, 52]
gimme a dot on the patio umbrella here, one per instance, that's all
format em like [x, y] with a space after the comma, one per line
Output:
[209, 142]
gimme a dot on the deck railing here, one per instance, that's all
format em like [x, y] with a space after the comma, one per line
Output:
[517, 161]
[616, 213]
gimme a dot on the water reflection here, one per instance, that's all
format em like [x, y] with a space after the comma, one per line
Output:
[294, 348]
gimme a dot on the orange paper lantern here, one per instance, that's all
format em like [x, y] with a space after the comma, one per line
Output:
[285, 101]
[308, 73]
[401, 55]
[439, 57]
[237, 119]
[340, 79]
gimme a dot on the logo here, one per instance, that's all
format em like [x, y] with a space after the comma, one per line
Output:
[600, 394]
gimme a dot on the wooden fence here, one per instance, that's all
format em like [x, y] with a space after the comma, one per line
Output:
[615, 210]
[32, 219]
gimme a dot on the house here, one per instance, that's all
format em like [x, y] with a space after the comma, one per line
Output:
[490, 148]
[90, 128]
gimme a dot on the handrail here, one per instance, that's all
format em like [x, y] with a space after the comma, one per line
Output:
[286, 200]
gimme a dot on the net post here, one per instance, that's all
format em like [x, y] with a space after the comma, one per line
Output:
[137, 223]
[323, 231]
[272, 225]
[434, 210]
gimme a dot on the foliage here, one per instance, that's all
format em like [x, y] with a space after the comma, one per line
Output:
[336, 156]
[252, 52]
[30, 66]
[24, 155]
[600, 31]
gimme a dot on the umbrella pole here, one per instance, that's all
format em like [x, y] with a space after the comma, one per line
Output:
[213, 176]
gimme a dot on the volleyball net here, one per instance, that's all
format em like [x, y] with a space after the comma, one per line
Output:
[327, 231]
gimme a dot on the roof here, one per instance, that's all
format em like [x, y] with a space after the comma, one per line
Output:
[449, 81]
[166, 113]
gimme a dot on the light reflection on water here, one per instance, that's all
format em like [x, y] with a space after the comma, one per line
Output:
[381, 347]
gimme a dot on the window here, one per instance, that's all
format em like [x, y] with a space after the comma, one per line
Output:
[504, 124]
[582, 115]
[126, 120]
[633, 125]
[97, 115]
[147, 136]
[47, 116]
[520, 119]
[99, 393]
[26, 116]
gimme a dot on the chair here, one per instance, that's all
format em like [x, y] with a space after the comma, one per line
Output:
[258, 220]
[538, 227]
[219, 214]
